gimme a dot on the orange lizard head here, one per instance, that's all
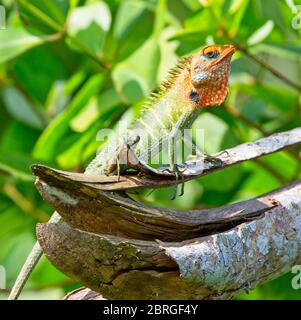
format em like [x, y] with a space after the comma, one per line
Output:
[210, 74]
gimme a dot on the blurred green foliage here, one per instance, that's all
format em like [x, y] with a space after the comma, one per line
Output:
[70, 68]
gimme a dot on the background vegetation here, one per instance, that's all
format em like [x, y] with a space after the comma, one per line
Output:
[70, 68]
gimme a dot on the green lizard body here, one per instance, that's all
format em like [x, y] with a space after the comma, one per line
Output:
[161, 115]
[191, 86]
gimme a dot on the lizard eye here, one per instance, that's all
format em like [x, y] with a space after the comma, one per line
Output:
[210, 53]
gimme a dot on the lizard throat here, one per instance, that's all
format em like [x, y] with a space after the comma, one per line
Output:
[213, 95]
[214, 90]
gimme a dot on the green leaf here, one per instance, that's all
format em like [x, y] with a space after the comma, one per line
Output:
[237, 10]
[130, 29]
[86, 117]
[98, 107]
[169, 57]
[191, 39]
[15, 41]
[128, 16]
[259, 182]
[230, 177]
[90, 24]
[160, 18]
[16, 240]
[55, 8]
[16, 166]
[284, 99]
[22, 110]
[12, 141]
[261, 34]
[61, 91]
[36, 71]
[232, 6]
[277, 289]
[20, 163]
[214, 131]
[45, 148]
[136, 76]
[108, 109]
[74, 156]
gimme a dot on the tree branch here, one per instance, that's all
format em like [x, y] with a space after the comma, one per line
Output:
[191, 169]
[215, 266]
[126, 250]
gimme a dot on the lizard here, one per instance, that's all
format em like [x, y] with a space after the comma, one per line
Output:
[198, 81]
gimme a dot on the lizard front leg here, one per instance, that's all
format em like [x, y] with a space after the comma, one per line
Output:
[198, 154]
[195, 150]
[172, 154]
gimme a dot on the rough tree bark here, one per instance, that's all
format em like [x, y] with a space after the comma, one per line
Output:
[122, 249]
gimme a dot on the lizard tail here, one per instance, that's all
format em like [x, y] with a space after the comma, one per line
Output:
[30, 263]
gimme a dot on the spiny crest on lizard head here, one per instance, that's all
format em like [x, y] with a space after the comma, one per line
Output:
[182, 64]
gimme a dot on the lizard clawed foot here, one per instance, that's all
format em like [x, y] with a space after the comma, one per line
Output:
[211, 160]
[221, 153]
[132, 142]
[179, 176]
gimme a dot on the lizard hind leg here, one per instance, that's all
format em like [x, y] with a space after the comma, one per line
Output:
[213, 160]
[198, 154]
[223, 154]
[179, 176]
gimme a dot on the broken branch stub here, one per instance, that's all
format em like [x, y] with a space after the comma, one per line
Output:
[126, 250]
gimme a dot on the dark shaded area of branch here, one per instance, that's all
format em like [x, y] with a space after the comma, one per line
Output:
[102, 212]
